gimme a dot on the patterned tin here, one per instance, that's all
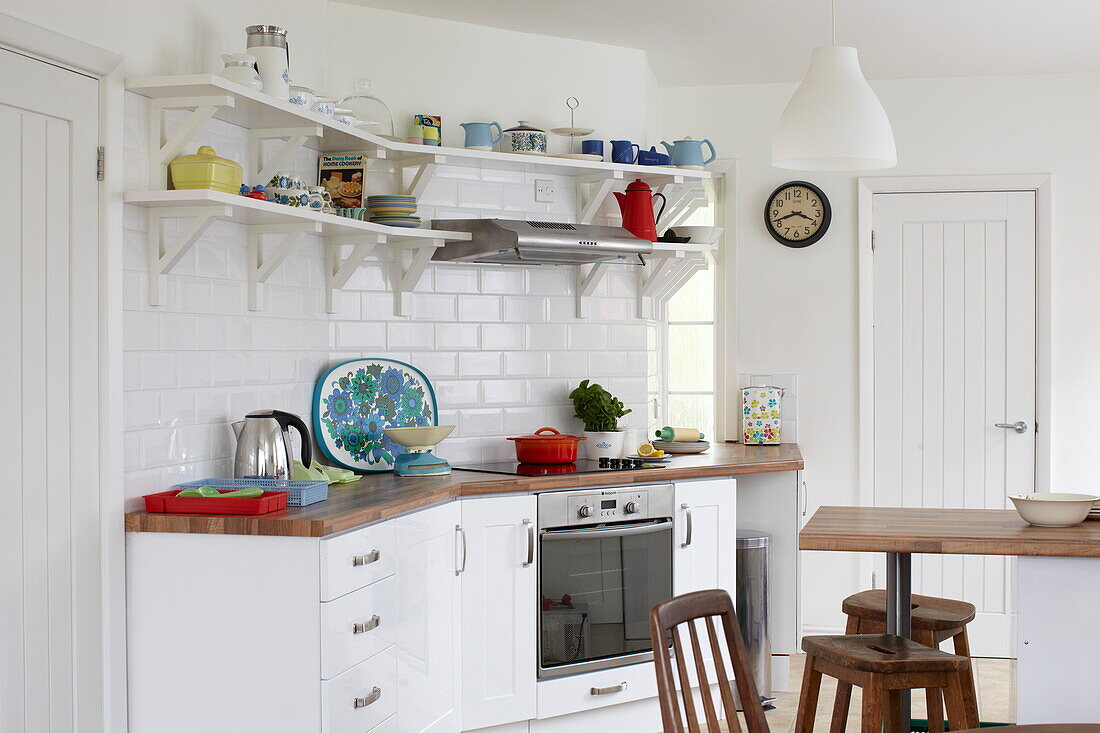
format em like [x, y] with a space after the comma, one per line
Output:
[762, 415]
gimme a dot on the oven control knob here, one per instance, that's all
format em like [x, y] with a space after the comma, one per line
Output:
[585, 511]
[631, 507]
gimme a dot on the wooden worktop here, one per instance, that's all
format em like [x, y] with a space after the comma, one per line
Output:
[383, 495]
[944, 531]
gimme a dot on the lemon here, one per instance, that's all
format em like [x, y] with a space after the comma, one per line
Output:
[656, 454]
[645, 450]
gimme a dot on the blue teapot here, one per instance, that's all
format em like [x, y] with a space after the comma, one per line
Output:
[479, 135]
[688, 153]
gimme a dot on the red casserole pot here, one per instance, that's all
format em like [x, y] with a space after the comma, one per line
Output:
[546, 446]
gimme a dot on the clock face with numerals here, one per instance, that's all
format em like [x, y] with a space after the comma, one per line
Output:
[797, 214]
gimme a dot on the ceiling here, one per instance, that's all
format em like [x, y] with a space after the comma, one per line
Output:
[695, 42]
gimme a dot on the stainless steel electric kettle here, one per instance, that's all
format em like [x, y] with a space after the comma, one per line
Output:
[263, 444]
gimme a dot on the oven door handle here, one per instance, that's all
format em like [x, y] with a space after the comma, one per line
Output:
[623, 530]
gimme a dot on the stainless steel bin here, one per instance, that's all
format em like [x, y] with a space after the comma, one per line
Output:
[752, 606]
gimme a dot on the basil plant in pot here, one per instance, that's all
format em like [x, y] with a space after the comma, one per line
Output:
[600, 411]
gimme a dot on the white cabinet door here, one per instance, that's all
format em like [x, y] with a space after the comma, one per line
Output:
[499, 604]
[428, 621]
[705, 550]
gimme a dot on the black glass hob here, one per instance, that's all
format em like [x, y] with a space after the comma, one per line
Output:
[583, 465]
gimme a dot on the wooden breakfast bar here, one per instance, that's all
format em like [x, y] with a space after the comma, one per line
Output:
[1058, 590]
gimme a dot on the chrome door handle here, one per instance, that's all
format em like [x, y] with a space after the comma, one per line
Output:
[1019, 426]
[461, 533]
[367, 559]
[530, 543]
[365, 626]
[687, 529]
[608, 690]
[372, 696]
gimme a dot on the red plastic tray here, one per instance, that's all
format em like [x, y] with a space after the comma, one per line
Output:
[167, 501]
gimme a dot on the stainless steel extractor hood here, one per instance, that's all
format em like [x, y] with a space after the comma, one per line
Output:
[509, 242]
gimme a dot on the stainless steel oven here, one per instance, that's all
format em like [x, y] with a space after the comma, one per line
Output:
[605, 559]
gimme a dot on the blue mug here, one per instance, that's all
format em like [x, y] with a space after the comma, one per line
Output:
[624, 151]
[592, 147]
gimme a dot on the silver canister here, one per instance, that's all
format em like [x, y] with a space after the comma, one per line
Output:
[268, 44]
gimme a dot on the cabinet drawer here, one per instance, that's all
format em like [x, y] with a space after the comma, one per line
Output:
[575, 693]
[357, 626]
[389, 725]
[353, 560]
[361, 698]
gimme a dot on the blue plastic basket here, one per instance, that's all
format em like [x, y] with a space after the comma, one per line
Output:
[300, 493]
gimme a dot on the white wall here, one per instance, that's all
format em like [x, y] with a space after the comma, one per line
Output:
[797, 309]
[502, 345]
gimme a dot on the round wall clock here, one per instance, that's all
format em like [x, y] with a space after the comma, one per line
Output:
[797, 214]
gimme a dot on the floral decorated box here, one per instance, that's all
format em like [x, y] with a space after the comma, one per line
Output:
[355, 401]
[762, 415]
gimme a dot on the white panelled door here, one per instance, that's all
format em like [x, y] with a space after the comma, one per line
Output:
[51, 575]
[954, 354]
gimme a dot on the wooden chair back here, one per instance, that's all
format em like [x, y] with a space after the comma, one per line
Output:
[665, 622]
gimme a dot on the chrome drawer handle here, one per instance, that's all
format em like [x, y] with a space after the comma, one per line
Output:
[461, 533]
[364, 627]
[367, 559]
[362, 702]
[530, 543]
[608, 690]
[687, 529]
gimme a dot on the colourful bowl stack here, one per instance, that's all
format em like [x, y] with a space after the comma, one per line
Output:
[394, 211]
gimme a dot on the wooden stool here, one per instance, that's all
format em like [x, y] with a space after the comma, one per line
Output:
[882, 665]
[934, 621]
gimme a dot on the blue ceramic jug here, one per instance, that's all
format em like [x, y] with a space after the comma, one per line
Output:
[479, 135]
[688, 153]
[624, 151]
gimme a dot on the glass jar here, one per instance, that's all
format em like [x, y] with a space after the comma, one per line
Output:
[369, 109]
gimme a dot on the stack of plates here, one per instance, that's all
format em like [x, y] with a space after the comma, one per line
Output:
[1094, 512]
[394, 211]
[698, 446]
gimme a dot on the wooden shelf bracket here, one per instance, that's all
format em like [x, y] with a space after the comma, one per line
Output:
[426, 167]
[163, 148]
[339, 271]
[592, 191]
[260, 268]
[162, 259]
[260, 171]
[587, 282]
[663, 276]
[404, 276]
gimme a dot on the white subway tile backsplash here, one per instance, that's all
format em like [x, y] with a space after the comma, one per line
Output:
[502, 336]
[547, 336]
[525, 363]
[409, 335]
[479, 363]
[502, 345]
[504, 280]
[479, 308]
[525, 309]
[481, 422]
[456, 336]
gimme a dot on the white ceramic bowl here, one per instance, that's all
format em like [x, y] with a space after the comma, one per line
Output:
[1053, 510]
[419, 438]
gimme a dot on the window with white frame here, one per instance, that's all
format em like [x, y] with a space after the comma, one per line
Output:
[689, 354]
[688, 344]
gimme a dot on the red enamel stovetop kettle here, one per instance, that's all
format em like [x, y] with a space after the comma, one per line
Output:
[636, 206]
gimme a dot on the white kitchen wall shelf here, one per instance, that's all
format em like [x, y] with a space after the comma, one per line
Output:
[209, 96]
[263, 218]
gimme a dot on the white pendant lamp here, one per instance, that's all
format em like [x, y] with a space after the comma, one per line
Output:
[834, 121]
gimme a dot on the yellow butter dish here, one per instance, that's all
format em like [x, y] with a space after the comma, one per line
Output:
[205, 169]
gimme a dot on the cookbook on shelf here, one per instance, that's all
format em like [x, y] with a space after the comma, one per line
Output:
[344, 177]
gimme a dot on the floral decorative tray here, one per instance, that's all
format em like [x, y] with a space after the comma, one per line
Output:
[355, 401]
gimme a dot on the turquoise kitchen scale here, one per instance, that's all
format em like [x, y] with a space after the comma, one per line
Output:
[418, 459]
[378, 414]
